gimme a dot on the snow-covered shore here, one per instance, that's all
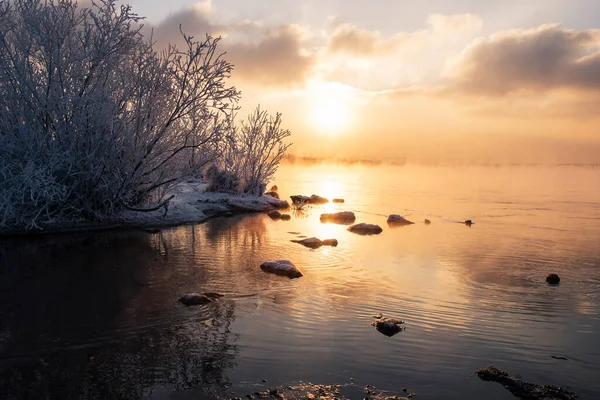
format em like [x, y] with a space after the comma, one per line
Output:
[191, 204]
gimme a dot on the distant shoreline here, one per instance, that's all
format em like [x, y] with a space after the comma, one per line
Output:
[191, 204]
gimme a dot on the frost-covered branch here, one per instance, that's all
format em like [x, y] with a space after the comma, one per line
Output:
[93, 117]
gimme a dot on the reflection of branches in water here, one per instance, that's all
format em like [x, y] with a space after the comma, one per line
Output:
[179, 358]
[91, 326]
[301, 210]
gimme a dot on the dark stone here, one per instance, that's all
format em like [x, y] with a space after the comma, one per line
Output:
[523, 389]
[388, 326]
[398, 220]
[315, 243]
[273, 194]
[315, 199]
[152, 231]
[299, 199]
[344, 217]
[427, 222]
[365, 229]
[194, 299]
[330, 242]
[285, 217]
[338, 201]
[274, 214]
[468, 222]
[281, 267]
[553, 279]
[274, 188]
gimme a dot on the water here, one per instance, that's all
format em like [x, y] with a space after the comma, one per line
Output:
[96, 315]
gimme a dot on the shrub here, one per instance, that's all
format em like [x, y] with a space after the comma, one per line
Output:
[93, 118]
[251, 154]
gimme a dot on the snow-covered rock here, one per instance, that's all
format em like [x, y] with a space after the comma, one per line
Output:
[281, 267]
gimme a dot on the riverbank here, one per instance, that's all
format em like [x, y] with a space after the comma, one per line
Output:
[191, 204]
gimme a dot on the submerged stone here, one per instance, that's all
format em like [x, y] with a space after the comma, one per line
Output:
[338, 201]
[365, 229]
[523, 389]
[285, 217]
[343, 217]
[427, 222]
[194, 299]
[281, 267]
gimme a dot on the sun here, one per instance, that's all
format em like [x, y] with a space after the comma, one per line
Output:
[330, 111]
[330, 116]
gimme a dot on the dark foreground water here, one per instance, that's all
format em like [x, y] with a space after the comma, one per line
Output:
[96, 315]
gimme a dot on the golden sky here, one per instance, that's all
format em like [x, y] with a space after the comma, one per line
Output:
[447, 80]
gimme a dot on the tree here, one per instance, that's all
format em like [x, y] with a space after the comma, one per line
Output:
[93, 118]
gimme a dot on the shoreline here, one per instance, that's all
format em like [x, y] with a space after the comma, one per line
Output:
[191, 205]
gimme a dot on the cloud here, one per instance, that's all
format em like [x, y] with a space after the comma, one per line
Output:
[540, 59]
[263, 55]
[351, 40]
[277, 58]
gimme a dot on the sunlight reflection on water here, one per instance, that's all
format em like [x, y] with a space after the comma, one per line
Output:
[470, 296]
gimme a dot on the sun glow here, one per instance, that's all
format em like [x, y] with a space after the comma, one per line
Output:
[330, 111]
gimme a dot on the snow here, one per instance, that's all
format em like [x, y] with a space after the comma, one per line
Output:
[191, 204]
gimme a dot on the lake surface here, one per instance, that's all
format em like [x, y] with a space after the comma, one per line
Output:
[97, 316]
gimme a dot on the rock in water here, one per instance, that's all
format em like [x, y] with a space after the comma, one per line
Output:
[273, 194]
[427, 222]
[553, 279]
[315, 199]
[338, 201]
[315, 243]
[388, 326]
[523, 389]
[344, 217]
[299, 199]
[281, 267]
[194, 299]
[285, 217]
[398, 220]
[330, 242]
[468, 222]
[274, 214]
[365, 229]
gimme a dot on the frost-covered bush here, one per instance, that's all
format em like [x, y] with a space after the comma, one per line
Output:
[250, 154]
[93, 118]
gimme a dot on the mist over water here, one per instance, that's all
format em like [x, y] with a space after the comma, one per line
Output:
[97, 316]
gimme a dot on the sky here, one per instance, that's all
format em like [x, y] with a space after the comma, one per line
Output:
[481, 81]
